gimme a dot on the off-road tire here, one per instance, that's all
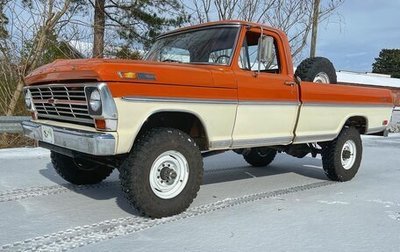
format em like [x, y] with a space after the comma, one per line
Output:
[311, 67]
[135, 172]
[332, 154]
[79, 173]
[259, 157]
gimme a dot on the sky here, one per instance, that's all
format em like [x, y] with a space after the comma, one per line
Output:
[353, 38]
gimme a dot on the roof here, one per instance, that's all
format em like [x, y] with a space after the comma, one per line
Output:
[221, 23]
[368, 79]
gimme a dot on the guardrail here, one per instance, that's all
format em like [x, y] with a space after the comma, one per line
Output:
[12, 124]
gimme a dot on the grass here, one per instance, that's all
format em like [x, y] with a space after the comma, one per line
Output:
[8, 140]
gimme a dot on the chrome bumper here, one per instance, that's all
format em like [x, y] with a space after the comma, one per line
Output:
[100, 144]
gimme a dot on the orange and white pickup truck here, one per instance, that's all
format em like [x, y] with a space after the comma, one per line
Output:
[199, 91]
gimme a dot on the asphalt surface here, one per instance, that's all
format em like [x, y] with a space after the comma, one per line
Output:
[289, 206]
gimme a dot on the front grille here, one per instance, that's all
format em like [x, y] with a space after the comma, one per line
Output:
[65, 103]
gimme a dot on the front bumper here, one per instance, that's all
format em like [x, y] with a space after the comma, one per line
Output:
[94, 143]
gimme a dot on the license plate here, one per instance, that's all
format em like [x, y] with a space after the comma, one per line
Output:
[47, 134]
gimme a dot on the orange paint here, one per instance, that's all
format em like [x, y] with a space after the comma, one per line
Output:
[200, 81]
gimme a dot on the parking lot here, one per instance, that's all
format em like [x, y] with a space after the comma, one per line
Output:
[289, 206]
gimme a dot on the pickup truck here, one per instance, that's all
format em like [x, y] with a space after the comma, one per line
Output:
[200, 90]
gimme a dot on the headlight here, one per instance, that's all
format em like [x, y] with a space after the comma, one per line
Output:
[28, 99]
[102, 107]
[95, 100]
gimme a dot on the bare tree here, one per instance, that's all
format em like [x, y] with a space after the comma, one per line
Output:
[202, 10]
[32, 26]
[99, 28]
[294, 17]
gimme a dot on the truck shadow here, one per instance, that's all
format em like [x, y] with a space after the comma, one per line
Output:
[106, 190]
[228, 168]
[235, 168]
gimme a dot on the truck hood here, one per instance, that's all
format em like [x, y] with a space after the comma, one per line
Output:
[108, 70]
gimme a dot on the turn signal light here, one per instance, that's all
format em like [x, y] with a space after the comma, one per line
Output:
[100, 124]
[385, 122]
[127, 75]
[106, 124]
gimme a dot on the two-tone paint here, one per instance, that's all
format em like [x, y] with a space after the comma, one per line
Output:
[237, 108]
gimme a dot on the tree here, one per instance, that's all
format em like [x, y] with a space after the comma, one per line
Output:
[388, 62]
[135, 22]
[294, 17]
[98, 29]
[35, 27]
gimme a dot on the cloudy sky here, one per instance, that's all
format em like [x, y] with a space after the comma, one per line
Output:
[363, 27]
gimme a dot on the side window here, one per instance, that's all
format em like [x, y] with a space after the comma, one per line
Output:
[174, 54]
[248, 58]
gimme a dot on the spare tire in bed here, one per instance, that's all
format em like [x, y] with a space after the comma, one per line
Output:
[317, 69]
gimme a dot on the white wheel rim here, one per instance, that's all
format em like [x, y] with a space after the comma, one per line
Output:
[169, 174]
[348, 154]
[321, 78]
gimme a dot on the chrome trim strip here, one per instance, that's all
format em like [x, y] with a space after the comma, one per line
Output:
[280, 103]
[220, 144]
[314, 138]
[99, 144]
[330, 104]
[212, 101]
[246, 102]
[262, 142]
[179, 100]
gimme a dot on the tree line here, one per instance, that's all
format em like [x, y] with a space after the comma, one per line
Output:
[37, 32]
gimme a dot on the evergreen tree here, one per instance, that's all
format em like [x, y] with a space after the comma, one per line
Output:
[388, 62]
[136, 22]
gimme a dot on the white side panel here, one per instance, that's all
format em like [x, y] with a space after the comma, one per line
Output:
[264, 124]
[218, 119]
[323, 122]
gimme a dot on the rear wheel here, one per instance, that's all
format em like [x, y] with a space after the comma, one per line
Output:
[341, 158]
[163, 173]
[318, 69]
[261, 156]
[79, 172]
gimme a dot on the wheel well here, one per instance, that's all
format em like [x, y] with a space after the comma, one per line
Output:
[359, 122]
[186, 122]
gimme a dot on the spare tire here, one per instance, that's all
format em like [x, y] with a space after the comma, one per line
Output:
[317, 69]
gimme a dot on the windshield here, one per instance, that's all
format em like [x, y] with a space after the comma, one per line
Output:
[207, 46]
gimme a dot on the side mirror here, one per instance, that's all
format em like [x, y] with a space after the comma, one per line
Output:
[265, 49]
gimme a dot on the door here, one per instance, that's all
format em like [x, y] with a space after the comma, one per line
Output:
[268, 98]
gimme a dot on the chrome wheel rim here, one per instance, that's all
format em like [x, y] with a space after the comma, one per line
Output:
[169, 174]
[348, 154]
[321, 78]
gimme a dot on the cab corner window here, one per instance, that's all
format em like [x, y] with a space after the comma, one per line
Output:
[248, 58]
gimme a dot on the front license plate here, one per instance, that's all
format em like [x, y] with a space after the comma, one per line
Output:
[47, 134]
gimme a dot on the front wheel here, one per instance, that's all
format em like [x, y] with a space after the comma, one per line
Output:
[79, 172]
[341, 158]
[163, 173]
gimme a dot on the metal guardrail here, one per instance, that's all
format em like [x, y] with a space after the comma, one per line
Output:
[12, 124]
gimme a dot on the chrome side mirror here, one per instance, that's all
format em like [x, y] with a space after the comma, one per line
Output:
[265, 49]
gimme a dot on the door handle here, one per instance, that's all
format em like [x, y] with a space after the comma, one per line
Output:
[290, 83]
